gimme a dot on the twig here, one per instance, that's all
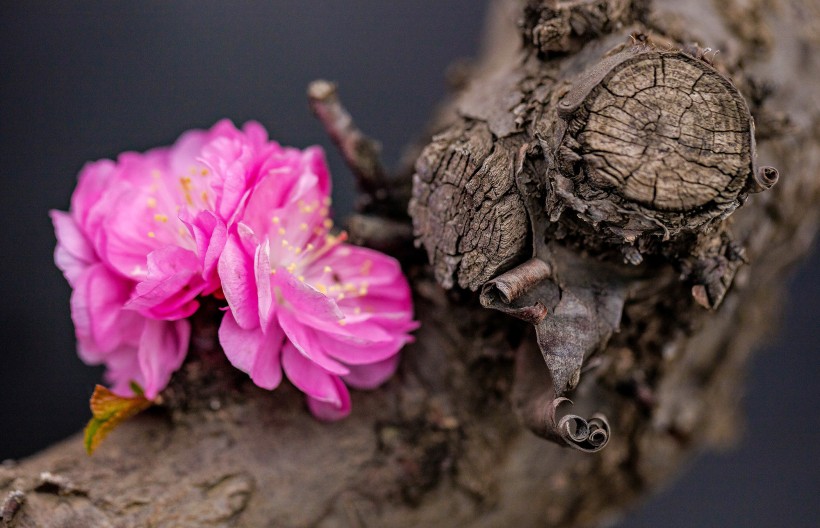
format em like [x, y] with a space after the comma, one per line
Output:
[360, 152]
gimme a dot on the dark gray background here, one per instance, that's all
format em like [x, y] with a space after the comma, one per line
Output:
[85, 80]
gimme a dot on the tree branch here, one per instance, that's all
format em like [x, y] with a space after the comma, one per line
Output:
[441, 443]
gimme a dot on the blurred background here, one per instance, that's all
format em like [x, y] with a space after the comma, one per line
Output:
[86, 80]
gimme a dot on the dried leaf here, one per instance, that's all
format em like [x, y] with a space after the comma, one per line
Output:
[108, 411]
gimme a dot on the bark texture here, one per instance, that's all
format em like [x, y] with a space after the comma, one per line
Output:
[445, 442]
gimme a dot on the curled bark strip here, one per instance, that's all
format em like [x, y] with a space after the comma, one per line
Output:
[764, 179]
[584, 435]
[361, 153]
[516, 282]
[524, 292]
[536, 404]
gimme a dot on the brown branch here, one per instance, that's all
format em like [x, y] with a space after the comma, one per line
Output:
[361, 153]
[441, 444]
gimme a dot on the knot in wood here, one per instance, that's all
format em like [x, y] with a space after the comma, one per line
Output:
[561, 26]
[466, 209]
[662, 134]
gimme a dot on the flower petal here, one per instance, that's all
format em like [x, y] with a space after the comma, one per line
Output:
[267, 367]
[331, 412]
[361, 353]
[96, 308]
[162, 349]
[253, 351]
[73, 252]
[262, 270]
[236, 271]
[310, 378]
[370, 376]
[123, 368]
[305, 340]
[169, 292]
[210, 234]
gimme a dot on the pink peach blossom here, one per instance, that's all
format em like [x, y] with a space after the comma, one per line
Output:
[302, 301]
[141, 242]
[228, 211]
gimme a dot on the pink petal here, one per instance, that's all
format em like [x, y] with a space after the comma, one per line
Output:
[351, 353]
[367, 377]
[236, 271]
[306, 341]
[310, 378]
[240, 345]
[73, 253]
[233, 158]
[358, 264]
[253, 351]
[263, 283]
[210, 234]
[169, 292]
[303, 299]
[331, 412]
[122, 368]
[267, 368]
[122, 240]
[96, 307]
[162, 349]
[93, 180]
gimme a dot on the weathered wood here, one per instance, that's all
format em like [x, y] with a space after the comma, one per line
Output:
[441, 444]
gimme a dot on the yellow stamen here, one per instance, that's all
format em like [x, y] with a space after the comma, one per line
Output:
[161, 218]
[186, 189]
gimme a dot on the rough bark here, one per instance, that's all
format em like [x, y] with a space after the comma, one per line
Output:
[445, 442]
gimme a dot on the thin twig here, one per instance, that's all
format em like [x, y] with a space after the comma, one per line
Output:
[361, 153]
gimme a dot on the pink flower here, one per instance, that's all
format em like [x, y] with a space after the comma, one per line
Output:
[141, 242]
[227, 211]
[301, 301]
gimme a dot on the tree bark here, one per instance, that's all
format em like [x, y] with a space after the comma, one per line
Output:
[446, 442]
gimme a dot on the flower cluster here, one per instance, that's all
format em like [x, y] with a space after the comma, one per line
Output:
[228, 213]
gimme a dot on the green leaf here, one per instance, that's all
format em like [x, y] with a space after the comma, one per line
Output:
[108, 411]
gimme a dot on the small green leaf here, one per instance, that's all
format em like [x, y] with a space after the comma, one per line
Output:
[136, 388]
[108, 411]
